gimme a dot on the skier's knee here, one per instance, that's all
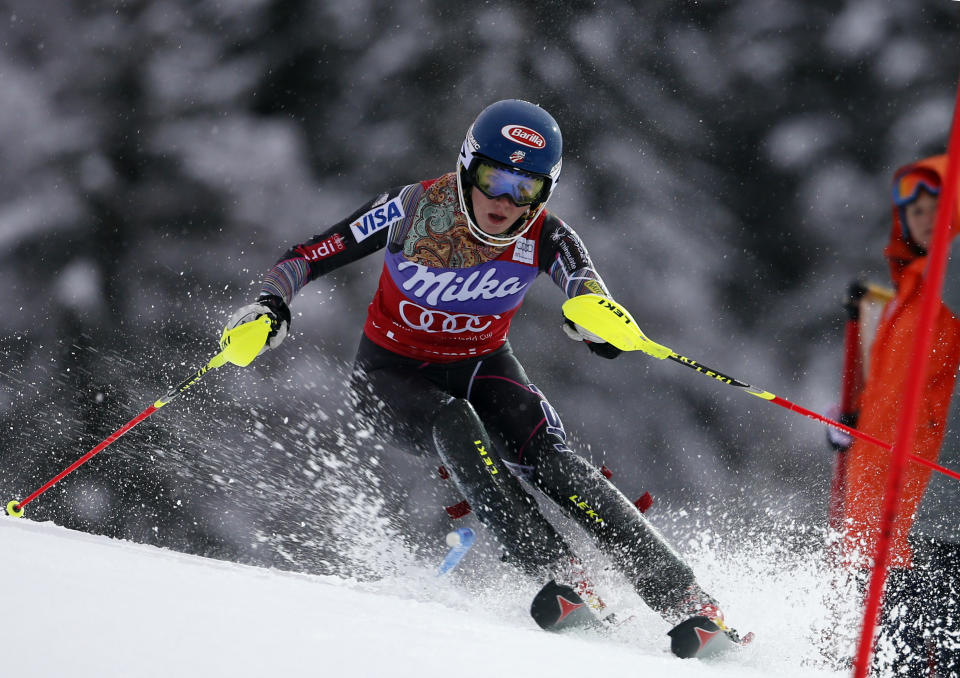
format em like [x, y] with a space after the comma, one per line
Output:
[530, 542]
[460, 438]
[457, 414]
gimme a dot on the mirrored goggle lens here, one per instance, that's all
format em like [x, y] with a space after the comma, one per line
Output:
[908, 187]
[524, 189]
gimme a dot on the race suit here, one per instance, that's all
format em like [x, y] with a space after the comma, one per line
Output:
[435, 371]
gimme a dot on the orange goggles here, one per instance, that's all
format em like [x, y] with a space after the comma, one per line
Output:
[908, 187]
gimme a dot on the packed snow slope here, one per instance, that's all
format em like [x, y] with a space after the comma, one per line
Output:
[89, 607]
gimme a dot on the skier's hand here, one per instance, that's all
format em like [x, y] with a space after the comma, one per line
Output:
[596, 345]
[272, 307]
[840, 440]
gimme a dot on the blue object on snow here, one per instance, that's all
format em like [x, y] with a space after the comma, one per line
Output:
[456, 553]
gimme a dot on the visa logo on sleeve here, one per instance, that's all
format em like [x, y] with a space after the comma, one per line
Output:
[376, 219]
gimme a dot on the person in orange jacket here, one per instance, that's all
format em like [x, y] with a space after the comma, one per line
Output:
[916, 188]
[903, 645]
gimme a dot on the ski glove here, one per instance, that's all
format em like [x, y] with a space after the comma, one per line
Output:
[271, 306]
[840, 440]
[596, 345]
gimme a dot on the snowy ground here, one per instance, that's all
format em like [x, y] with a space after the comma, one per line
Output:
[88, 607]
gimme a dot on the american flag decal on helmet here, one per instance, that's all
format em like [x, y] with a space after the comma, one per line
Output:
[517, 156]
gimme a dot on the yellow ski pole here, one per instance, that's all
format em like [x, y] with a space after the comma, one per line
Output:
[239, 346]
[611, 322]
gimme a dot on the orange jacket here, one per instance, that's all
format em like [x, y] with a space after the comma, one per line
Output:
[882, 398]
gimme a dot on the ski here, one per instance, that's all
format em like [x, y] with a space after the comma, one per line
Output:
[557, 607]
[702, 637]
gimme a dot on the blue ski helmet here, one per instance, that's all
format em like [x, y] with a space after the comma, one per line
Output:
[522, 139]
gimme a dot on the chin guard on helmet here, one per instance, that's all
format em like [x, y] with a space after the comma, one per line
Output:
[511, 135]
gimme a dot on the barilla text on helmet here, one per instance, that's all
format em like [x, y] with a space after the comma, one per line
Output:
[523, 135]
[505, 127]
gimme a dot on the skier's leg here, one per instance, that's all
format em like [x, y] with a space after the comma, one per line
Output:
[664, 581]
[520, 419]
[405, 399]
[496, 495]
[396, 397]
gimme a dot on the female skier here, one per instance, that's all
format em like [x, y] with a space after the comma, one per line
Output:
[435, 368]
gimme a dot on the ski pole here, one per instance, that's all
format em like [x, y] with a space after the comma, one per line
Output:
[611, 322]
[850, 388]
[239, 346]
[851, 384]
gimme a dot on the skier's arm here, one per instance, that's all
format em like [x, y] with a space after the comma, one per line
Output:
[362, 233]
[566, 260]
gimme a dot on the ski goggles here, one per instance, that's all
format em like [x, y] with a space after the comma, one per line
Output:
[494, 181]
[908, 187]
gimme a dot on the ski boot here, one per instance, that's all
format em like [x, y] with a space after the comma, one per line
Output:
[568, 600]
[699, 629]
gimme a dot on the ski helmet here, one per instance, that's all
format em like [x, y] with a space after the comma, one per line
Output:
[516, 149]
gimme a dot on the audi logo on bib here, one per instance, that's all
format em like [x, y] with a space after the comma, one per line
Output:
[431, 320]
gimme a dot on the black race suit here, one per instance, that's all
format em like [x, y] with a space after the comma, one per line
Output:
[435, 370]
